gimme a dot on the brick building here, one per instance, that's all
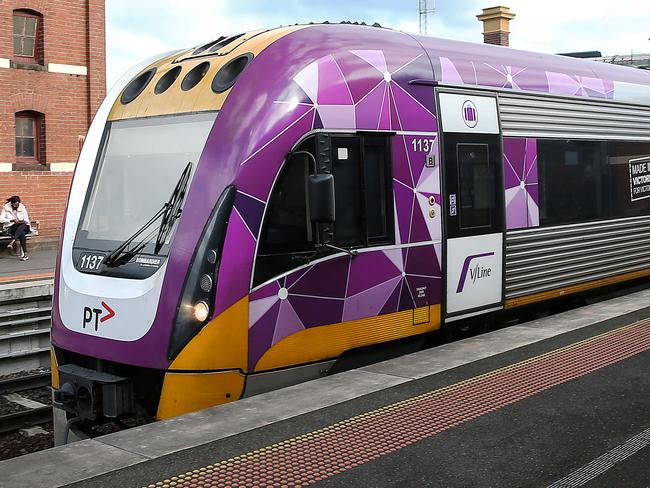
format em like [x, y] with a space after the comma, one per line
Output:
[52, 81]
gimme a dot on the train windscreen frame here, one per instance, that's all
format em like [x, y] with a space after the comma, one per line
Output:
[129, 186]
[139, 165]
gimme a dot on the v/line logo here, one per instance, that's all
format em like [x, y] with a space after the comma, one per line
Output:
[476, 272]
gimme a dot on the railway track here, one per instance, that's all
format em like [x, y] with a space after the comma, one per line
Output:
[25, 382]
[26, 418]
[33, 412]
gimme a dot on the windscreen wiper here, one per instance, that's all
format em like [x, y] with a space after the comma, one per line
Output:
[173, 208]
[170, 211]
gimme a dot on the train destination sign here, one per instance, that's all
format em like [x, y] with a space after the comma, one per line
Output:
[639, 178]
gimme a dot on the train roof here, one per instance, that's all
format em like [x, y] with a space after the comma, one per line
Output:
[200, 78]
[489, 66]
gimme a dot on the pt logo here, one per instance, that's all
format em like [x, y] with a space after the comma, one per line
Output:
[95, 313]
[470, 114]
[476, 272]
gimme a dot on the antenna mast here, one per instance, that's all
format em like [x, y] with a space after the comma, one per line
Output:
[426, 8]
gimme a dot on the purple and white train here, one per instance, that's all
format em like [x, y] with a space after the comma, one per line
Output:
[246, 212]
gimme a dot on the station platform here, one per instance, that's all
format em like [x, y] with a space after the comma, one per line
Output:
[40, 265]
[562, 401]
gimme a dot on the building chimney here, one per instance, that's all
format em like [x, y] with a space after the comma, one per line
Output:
[496, 23]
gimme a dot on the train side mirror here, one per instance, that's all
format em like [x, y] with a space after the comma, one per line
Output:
[322, 207]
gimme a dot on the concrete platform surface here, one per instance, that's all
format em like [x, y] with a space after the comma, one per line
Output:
[533, 440]
[40, 265]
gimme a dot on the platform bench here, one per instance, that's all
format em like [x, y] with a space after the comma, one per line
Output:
[34, 226]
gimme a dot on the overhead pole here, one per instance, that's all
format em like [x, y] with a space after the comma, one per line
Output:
[426, 8]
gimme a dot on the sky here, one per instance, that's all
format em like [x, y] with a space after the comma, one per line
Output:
[138, 29]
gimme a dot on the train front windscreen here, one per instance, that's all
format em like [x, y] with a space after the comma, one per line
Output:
[141, 164]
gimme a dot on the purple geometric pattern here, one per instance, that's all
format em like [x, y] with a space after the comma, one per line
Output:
[581, 86]
[340, 290]
[466, 71]
[384, 106]
[521, 185]
[414, 185]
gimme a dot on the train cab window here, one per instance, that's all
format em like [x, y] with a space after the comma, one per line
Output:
[285, 229]
[571, 181]
[347, 171]
[361, 166]
[378, 183]
[476, 196]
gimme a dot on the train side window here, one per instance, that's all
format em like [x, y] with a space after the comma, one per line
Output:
[571, 181]
[361, 165]
[477, 201]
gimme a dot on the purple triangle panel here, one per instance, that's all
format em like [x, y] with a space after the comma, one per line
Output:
[465, 69]
[491, 74]
[401, 149]
[404, 199]
[417, 159]
[531, 169]
[516, 210]
[326, 279]
[251, 210]
[533, 191]
[412, 113]
[385, 114]
[236, 264]
[398, 59]
[282, 116]
[296, 94]
[392, 303]
[405, 300]
[266, 291]
[423, 94]
[419, 229]
[291, 279]
[422, 260]
[332, 87]
[314, 312]
[318, 121]
[368, 270]
[260, 336]
[288, 322]
[257, 174]
[514, 149]
[367, 110]
[531, 79]
[395, 122]
[370, 302]
[594, 93]
[360, 75]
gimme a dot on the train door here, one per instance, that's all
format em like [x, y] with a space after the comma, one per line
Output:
[473, 205]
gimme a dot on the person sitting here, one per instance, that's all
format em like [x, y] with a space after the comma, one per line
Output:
[15, 220]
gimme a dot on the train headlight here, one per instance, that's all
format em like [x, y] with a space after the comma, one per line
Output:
[198, 293]
[201, 311]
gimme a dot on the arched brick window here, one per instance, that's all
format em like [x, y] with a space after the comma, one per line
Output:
[28, 36]
[30, 137]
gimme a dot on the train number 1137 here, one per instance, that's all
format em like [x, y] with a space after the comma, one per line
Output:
[423, 145]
